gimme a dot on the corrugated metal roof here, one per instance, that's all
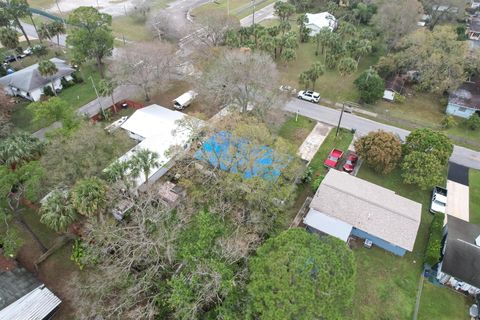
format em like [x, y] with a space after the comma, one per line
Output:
[35, 305]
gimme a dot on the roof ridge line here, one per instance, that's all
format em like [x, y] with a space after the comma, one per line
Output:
[373, 203]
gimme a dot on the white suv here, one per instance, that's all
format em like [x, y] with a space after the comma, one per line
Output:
[311, 96]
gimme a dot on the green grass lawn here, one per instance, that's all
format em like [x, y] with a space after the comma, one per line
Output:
[342, 141]
[131, 29]
[238, 8]
[442, 304]
[387, 284]
[32, 219]
[474, 183]
[296, 131]
[77, 96]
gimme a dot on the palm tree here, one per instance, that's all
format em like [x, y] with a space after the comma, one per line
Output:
[107, 88]
[347, 65]
[315, 71]
[89, 196]
[19, 148]
[322, 38]
[303, 31]
[143, 161]
[304, 79]
[46, 69]
[9, 39]
[363, 48]
[57, 212]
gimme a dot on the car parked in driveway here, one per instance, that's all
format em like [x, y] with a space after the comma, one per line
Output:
[311, 96]
[350, 163]
[333, 158]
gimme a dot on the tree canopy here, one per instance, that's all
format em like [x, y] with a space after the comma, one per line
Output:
[429, 141]
[381, 150]
[296, 275]
[370, 85]
[91, 36]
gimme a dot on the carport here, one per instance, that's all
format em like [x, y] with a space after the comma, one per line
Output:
[458, 196]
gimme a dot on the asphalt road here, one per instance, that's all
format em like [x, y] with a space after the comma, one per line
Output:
[461, 155]
[30, 30]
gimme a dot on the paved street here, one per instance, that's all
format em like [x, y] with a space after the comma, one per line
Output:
[260, 15]
[461, 155]
[30, 30]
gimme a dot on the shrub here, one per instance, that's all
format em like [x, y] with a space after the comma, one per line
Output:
[473, 123]
[433, 250]
[77, 78]
[11, 242]
[398, 98]
[370, 85]
[318, 180]
[47, 90]
[448, 122]
[78, 254]
[39, 50]
[65, 83]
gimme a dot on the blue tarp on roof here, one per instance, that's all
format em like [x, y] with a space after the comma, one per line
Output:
[238, 155]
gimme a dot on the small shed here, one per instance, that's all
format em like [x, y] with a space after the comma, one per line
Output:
[394, 85]
[23, 297]
[321, 20]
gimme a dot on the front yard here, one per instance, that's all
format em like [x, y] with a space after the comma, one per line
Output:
[76, 95]
[296, 130]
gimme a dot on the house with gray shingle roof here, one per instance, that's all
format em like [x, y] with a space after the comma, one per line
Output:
[460, 265]
[29, 83]
[22, 296]
[346, 206]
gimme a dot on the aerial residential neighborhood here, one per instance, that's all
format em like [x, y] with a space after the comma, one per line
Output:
[239, 159]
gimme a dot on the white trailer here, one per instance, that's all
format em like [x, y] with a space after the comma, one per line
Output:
[184, 100]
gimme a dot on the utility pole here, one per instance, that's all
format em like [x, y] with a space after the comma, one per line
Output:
[340, 119]
[96, 92]
[253, 15]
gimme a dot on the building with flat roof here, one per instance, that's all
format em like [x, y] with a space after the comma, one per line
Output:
[345, 206]
[23, 297]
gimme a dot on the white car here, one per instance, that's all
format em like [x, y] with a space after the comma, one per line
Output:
[311, 96]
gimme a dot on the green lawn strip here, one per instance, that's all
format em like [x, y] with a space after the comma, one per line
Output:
[474, 184]
[442, 304]
[296, 130]
[387, 284]
[342, 141]
[130, 28]
[238, 8]
[32, 219]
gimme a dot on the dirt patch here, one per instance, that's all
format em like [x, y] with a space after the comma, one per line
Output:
[198, 108]
[7, 264]
[55, 272]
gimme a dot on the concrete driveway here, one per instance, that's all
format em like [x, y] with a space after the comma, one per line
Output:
[314, 140]
[458, 196]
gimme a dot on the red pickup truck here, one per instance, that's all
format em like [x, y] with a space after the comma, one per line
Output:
[333, 158]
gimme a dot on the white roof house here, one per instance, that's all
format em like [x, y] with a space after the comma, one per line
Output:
[320, 20]
[157, 129]
[345, 205]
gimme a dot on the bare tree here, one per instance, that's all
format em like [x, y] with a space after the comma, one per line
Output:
[442, 10]
[165, 27]
[213, 26]
[129, 260]
[241, 78]
[396, 19]
[147, 65]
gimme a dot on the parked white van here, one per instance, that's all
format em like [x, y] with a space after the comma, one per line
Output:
[184, 100]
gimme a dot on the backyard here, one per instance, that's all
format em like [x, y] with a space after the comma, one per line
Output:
[442, 304]
[474, 183]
